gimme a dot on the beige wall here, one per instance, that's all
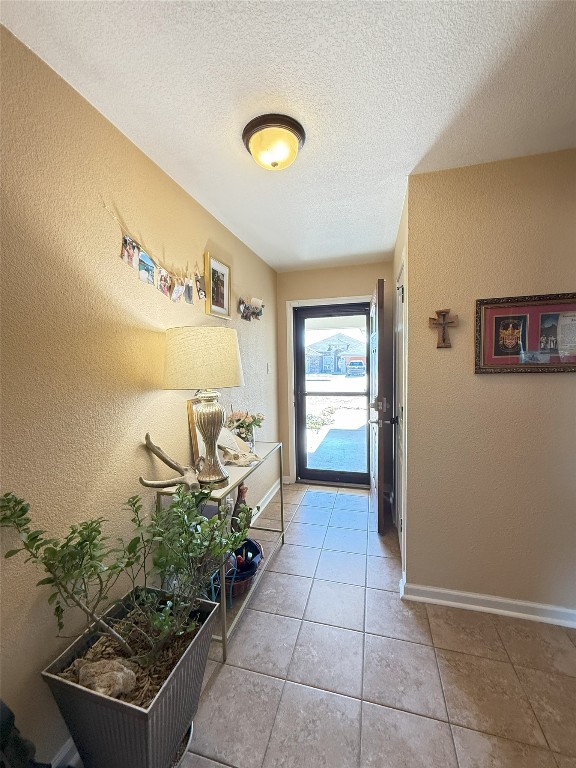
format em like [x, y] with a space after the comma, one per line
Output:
[339, 282]
[82, 340]
[491, 481]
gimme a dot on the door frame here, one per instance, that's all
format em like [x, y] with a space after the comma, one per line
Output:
[290, 454]
[401, 344]
[305, 473]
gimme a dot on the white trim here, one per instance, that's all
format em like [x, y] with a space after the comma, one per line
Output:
[291, 404]
[401, 340]
[472, 601]
[66, 756]
[290, 454]
[402, 584]
[269, 495]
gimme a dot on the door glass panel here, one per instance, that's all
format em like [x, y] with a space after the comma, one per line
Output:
[336, 436]
[335, 354]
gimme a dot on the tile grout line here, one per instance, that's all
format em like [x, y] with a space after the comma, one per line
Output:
[503, 738]
[450, 726]
[362, 700]
[304, 611]
[547, 747]
[273, 723]
[351, 629]
[495, 624]
[363, 649]
[359, 754]
[285, 679]
[302, 624]
[364, 634]
[361, 722]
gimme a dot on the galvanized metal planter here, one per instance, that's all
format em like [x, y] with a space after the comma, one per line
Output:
[109, 733]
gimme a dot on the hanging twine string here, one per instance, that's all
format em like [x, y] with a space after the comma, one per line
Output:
[184, 275]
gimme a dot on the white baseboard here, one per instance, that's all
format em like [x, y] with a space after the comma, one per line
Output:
[67, 756]
[268, 496]
[288, 480]
[472, 601]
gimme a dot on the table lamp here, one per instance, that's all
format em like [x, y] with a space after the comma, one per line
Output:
[204, 358]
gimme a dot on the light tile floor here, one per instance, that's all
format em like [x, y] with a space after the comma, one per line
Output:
[329, 668]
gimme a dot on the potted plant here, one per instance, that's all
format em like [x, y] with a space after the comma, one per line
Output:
[155, 639]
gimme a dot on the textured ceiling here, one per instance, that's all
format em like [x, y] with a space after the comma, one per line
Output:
[383, 89]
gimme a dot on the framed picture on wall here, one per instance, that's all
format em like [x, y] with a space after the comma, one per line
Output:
[526, 334]
[218, 280]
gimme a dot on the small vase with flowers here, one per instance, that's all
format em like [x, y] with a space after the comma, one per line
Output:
[243, 424]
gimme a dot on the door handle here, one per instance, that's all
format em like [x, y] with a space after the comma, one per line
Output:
[375, 421]
[379, 405]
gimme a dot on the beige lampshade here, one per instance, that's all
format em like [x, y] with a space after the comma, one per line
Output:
[202, 357]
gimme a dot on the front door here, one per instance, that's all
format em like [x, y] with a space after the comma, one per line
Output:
[331, 385]
[380, 426]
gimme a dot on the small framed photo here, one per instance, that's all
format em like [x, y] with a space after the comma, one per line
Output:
[526, 334]
[218, 279]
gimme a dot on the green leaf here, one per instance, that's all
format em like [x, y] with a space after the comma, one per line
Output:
[12, 552]
[47, 580]
[132, 545]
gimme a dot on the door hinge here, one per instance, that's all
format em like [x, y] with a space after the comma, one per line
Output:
[401, 289]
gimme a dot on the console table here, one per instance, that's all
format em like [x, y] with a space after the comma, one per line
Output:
[236, 476]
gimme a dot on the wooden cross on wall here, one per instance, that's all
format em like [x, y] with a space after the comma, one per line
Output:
[442, 321]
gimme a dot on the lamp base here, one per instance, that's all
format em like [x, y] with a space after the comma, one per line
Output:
[209, 416]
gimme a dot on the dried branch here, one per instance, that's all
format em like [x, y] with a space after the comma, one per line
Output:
[188, 474]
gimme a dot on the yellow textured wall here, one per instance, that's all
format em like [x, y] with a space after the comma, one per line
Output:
[356, 280]
[82, 340]
[491, 482]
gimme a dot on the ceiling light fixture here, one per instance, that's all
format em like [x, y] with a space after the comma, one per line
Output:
[274, 140]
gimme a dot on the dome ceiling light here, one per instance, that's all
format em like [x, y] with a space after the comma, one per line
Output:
[274, 140]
